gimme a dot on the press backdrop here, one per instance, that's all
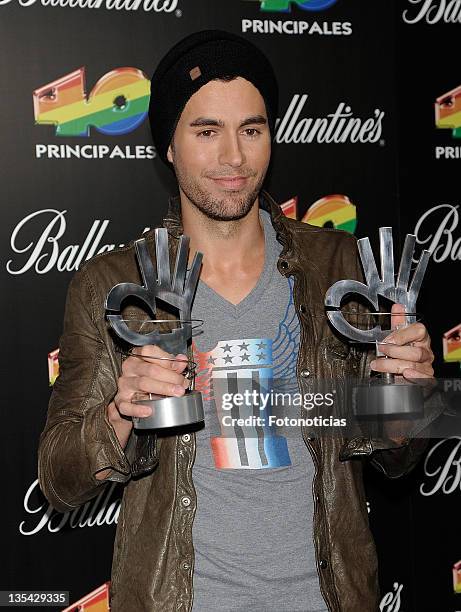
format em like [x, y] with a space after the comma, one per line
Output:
[368, 135]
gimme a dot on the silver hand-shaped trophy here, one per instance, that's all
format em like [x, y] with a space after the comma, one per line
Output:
[382, 396]
[177, 291]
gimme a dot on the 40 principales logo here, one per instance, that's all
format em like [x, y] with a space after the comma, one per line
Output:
[116, 105]
[448, 117]
[295, 25]
[305, 5]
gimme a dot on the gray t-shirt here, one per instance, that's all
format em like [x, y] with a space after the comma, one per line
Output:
[252, 531]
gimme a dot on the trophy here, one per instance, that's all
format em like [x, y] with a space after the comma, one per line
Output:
[178, 292]
[381, 395]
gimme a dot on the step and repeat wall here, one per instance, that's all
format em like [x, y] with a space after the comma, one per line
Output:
[368, 135]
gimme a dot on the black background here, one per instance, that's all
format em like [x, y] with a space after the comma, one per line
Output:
[386, 64]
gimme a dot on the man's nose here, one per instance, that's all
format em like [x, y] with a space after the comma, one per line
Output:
[231, 152]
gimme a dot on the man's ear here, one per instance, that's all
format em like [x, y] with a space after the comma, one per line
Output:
[169, 154]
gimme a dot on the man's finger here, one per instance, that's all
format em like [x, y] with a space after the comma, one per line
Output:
[159, 387]
[180, 363]
[152, 369]
[411, 373]
[129, 409]
[397, 366]
[414, 333]
[418, 354]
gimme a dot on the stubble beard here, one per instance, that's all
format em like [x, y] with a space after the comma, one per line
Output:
[230, 208]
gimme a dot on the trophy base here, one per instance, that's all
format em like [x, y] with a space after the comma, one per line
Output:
[171, 412]
[381, 398]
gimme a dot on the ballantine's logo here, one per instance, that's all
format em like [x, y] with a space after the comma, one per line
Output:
[337, 127]
[46, 252]
[433, 11]
[306, 5]
[438, 235]
[102, 510]
[391, 600]
[446, 477]
[155, 6]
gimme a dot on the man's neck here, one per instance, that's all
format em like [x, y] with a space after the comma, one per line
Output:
[233, 251]
[223, 242]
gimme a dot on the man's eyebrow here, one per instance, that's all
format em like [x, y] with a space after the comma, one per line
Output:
[256, 120]
[206, 121]
[202, 121]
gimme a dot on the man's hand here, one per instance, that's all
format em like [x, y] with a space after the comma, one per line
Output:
[409, 349]
[409, 356]
[149, 370]
[143, 373]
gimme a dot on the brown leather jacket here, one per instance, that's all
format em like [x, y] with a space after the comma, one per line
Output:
[153, 559]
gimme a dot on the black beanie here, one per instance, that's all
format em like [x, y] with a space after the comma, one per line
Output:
[193, 62]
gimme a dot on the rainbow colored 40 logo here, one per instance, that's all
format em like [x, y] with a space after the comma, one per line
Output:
[117, 104]
[285, 5]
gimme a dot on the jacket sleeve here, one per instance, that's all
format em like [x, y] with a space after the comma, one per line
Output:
[78, 441]
[394, 460]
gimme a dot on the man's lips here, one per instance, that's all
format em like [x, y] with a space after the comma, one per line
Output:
[231, 182]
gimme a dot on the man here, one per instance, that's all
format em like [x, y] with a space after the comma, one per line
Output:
[207, 522]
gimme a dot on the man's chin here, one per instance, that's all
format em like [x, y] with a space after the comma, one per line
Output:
[231, 206]
[226, 214]
[230, 218]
